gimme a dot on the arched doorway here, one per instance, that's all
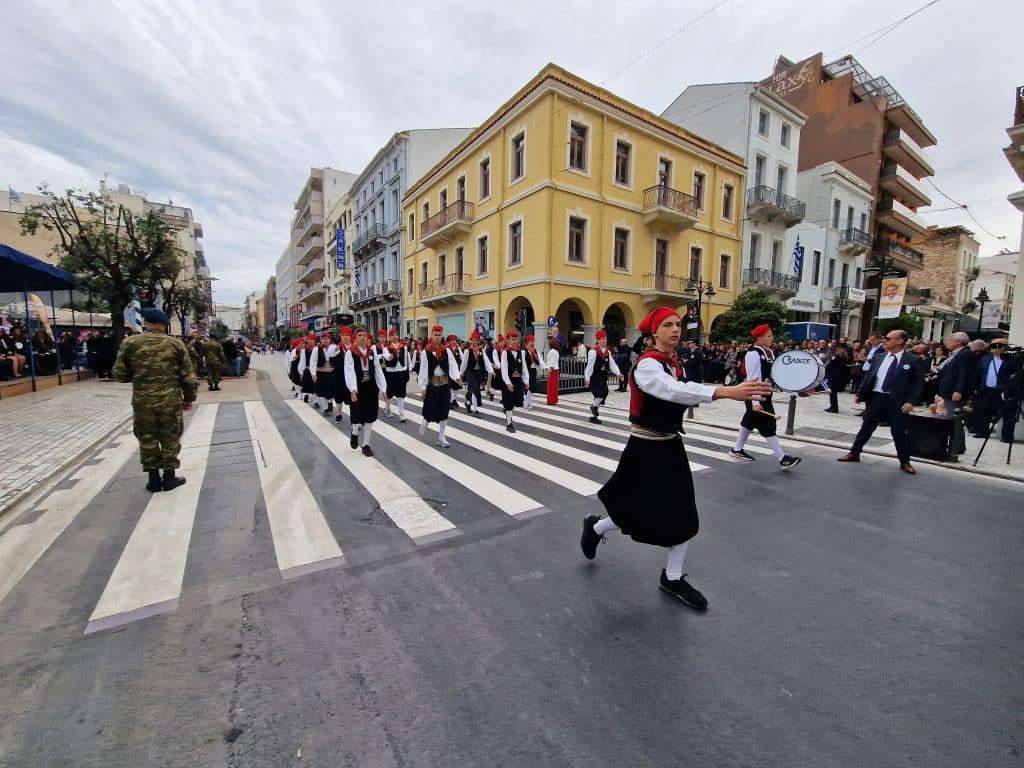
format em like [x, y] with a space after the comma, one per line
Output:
[570, 318]
[519, 315]
[617, 318]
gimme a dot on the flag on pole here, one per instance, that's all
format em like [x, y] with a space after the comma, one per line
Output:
[12, 195]
[798, 258]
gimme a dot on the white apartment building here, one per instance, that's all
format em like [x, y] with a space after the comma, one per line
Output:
[284, 273]
[746, 119]
[835, 242]
[338, 262]
[230, 315]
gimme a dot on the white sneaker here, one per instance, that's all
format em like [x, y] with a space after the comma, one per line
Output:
[443, 443]
[423, 428]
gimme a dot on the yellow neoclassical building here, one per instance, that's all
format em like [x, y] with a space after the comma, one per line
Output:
[570, 202]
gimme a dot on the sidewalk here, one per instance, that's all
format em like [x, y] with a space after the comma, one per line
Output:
[835, 430]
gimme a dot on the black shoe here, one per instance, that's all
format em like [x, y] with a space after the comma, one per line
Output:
[367, 450]
[317, 406]
[170, 481]
[740, 455]
[593, 411]
[477, 414]
[329, 409]
[594, 420]
[831, 410]
[340, 417]
[590, 538]
[354, 441]
[510, 428]
[305, 398]
[789, 461]
[686, 593]
[154, 485]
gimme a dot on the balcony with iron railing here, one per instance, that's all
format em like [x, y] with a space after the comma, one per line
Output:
[382, 291]
[367, 240]
[311, 248]
[766, 204]
[664, 205]
[899, 182]
[450, 289]
[903, 256]
[896, 216]
[455, 219]
[854, 241]
[897, 145]
[768, 278]
[661, 285]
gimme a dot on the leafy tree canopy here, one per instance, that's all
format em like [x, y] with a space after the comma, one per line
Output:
[747, 312]
[912, 324]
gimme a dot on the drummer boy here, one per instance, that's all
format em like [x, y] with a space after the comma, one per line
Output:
[760, 416]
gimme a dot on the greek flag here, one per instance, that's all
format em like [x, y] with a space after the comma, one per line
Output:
[13, 196]
[798, 258]
[355, 278]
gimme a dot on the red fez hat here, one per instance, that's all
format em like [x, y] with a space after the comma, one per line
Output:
[761, 330]
[512, 335]
[437, 328]
[392, 331]
[600, 334]
[500, 338]
[474, 336]
[655, 318]
[382, 333]
[452, 337]
[346, 331]
[530, 337]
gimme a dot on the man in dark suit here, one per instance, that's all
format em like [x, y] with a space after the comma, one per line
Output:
[955, 374]
[992, 378]
[890, 388]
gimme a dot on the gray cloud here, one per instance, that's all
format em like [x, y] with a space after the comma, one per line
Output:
[224, 106]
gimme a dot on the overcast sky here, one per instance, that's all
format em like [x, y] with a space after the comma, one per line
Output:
[224, 106]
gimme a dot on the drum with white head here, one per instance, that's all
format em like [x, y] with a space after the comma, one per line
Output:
[797, 371]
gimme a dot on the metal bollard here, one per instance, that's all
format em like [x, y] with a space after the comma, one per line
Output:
[791, 415]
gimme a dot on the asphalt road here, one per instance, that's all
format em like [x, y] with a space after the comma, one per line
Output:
[858, 617]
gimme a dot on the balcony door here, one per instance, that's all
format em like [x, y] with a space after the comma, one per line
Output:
[664, 173]
[442, 267]
[460, 189]
[660, 263]
[459, 266]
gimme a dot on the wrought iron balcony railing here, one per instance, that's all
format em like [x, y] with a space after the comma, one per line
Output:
[662, 281]
[766, 195]
[460, 210]
[771, 279]
[442, 286]
[666, 197]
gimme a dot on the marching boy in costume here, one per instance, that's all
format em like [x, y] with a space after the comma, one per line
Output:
[341, 394]
[365, 381]
[437, 370]
[595, 377]
[476, 368]
[396, 371]
[534, 360]
[515, 376]
[453, 345]
[650, 497]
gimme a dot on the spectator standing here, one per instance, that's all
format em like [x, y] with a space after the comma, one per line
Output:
[231, 355]
[992, 379]
[837, 371]
[623, 359]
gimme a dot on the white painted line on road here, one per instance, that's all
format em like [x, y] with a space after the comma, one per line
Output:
[505, 498]
[399, 501]
[22, 545]
[303, 540]
[148, 576]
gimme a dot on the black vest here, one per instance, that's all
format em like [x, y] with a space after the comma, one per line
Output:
[515, 362]
[431, 361]
[651, 412]
[476, 361]
[600, 363]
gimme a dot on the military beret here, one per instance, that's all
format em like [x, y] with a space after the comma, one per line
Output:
[154, 315]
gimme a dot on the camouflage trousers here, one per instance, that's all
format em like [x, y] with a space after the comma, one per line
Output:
[158, 430]
[212, 374]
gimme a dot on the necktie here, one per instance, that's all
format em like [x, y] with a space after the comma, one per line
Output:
[890, 374]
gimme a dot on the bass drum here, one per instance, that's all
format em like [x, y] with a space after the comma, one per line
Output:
[797, 371]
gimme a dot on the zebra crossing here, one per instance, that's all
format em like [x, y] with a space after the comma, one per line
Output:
[412, 492]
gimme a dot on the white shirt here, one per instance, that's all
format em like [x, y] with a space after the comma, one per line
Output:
[993, 371]
[551, 359]
[484, 356]
[504, 367]
[351, 378]
[592, 362]
[872, 351]
[883, 369]
[652, 378]
[752, 363]
[452, 372]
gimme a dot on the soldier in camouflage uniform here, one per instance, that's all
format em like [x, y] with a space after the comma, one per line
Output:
[213, 358]
[195, 351]
[163, 385]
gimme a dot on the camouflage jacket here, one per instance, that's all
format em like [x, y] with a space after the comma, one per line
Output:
[213, 353]
[159, 368]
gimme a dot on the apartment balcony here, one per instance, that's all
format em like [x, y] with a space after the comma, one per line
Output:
[664, 205]
[305, 226]
[314, 291]
[388, 290]
[854, 241]
[456, 219]
[314, 201]
[906, 119]
[313, 311]
[779, 282]
[899, 218]
[1015, 152]
[897, 145]
[767, 204]
[451, 289]
[903, 256]
[660, 286]
[308, 250]
[898, 182]
[315, 271]
[203, 272]
[368, 241]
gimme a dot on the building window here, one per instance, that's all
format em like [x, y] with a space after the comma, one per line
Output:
[481, 256]
[831, 273]
[764, 124]
[578, 146]
[426, 212]
[577, 240]
[442, 267]
[836, 207]
[724, 265]
[623, 153]
[412, 227]
[755, 250]
[727, 201]
[759, 164]
[849, 217]
[784, 135]
[460, 189]
[698, 189]
[695, 254]
[620, 257]
[661, 256]
[816, 268]
[518, 156]
[423, 275]
[396, 216]
[664, 172]
[858, 278]
[776, 254]
[515, 244]
[863, 222]
[408, 289]
[844, 275]
[485, 178]
[780, 178]
[444, 199]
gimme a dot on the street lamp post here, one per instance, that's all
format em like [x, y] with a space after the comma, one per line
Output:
[840, 304]
[883, 267]
[981, 298]
[701, 288]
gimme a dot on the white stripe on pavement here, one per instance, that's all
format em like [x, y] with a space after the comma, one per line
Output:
[147, 577]
[396, 498]
[508, 500]
[22, 545]
[303, 541]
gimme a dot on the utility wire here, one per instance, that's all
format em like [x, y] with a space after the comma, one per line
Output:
[884, 30]
[661, 42]
[965, 209]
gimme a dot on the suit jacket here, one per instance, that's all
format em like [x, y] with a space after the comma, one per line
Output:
[1006, 370]
[907, 384]
[955, 375]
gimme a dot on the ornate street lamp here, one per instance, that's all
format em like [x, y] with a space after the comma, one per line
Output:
[981, 298]
[841, 303]
[700, 288]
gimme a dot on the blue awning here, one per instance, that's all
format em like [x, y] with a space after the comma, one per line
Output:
[20, 272]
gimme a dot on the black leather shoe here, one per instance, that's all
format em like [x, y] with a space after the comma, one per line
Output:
[170, 481]
[155, 484]
[590, 538]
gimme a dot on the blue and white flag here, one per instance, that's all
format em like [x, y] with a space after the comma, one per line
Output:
[13, 196]
[798, 258]
[355, 278]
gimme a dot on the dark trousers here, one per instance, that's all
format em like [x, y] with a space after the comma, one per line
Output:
[987, 406]
[883, 408]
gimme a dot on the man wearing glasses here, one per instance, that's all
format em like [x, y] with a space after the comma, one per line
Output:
[890, 388]
[993, 377]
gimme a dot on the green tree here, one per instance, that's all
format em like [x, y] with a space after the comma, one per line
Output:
[219, 329]
[111, 249]
[747, 312]
[912, 324]
[88, 304]
[181, 297]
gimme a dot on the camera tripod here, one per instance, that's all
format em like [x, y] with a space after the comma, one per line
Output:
[992, 425]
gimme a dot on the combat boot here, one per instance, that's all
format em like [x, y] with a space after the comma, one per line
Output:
[170, 481]
[154, 483]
